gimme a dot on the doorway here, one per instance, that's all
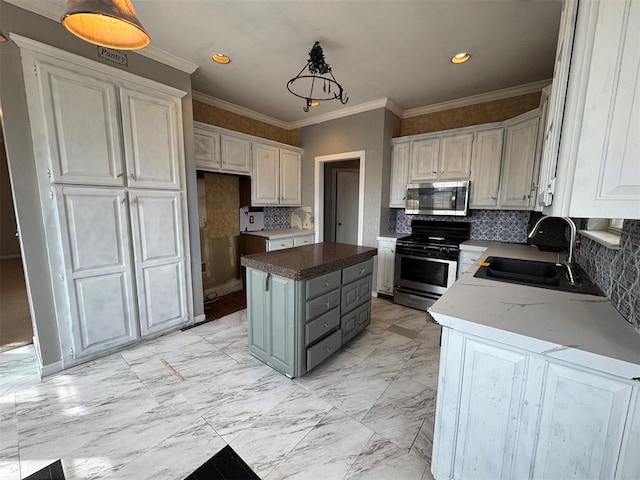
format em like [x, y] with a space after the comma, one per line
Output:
[16, 329]
[349, 208]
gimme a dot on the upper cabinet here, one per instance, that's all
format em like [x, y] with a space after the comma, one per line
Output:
[485, 168]
[597, 173]
[277, 176]
[399, 174]
[221, 152]
[446, 158]
[425, 155]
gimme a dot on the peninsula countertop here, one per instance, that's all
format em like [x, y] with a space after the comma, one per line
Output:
[282, 233]
[582, 329]
[308, 261]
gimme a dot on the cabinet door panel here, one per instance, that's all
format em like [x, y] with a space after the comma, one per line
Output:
[281, 306]
[455, 156]
[424, 159]
[152, 126]
[492, 386]
[258, 314]
[290, 178]
[95, 244]
[581, 424]
[629, 464]
[207, 150]
[266, 175]
[386, 264]
[399, 175]
[160, 264]
[235, 154]
[519, 159]
[82, 127]
[607, 179]
[485, 168]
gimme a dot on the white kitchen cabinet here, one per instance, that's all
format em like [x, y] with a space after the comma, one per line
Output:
[485, 168]
[516, 180]
[156, 223]
[304, 240]
[152, 134]
[425, 156]
[206, 148]
[80, 125]
[399, 175]
[537, 417]
[235, 154]
[597, 172]
[97, 270]
[277, 176]
[455, 156]
[386, 265]
[468, 257]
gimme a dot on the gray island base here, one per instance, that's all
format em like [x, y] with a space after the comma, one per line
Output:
[305, 303]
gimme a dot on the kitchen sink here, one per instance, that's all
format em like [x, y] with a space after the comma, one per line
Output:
[536, 274]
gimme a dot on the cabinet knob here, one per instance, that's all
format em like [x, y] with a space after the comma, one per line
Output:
[328, 349]
[326, 304]
[494, 198]
[362, 271]
[326, 325]
[434, 173]
[120, 175]
[326, 284]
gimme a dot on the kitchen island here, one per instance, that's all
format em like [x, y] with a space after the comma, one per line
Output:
[534, 382]
[304, 303]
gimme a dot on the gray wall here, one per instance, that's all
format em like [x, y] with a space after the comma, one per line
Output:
[9, 245]
[370, 131]
[22, 165]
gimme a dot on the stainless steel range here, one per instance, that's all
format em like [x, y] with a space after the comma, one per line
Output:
[427, 261]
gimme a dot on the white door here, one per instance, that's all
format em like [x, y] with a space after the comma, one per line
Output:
[425, 155]
[95, 242]
[517, 168]
[81, 126]
[485, 168]
[158, 247]
[399, 175]
[206, 150]
[346, 207]
[152, 130]
[290, 177]
[386, 264]
[235, 154]
[455, 156]
[266, 175]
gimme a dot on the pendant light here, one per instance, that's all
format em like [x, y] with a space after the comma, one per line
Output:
[110, 23]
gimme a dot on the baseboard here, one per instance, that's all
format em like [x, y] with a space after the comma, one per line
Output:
[8, 257]
[50, 369]
[200, 318]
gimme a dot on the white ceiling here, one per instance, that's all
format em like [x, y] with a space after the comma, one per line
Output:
[399, 49]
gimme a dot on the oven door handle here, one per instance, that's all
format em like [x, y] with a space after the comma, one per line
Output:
[426, 257]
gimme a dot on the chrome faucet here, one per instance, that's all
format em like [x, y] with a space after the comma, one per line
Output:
[572, 243]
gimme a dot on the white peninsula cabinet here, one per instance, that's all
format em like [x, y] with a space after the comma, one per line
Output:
[386, 263]
[590, 161]
[277, 175]
[110, 160]
[536, 417]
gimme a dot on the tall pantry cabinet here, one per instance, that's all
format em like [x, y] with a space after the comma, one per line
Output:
[110, 159]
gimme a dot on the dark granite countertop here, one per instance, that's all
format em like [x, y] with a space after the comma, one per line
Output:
[308, 261]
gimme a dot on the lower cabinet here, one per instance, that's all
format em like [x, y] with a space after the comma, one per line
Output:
[386, 265]
[503, 412]
[294, 325]
[468, 258]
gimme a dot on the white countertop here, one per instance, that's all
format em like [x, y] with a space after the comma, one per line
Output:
[284, 233]
[392, 236]
[582, 329]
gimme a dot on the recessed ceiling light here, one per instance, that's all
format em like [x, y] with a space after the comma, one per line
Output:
[220, 58]
[460, 57]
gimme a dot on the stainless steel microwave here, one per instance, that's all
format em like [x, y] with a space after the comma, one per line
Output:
[438, 198]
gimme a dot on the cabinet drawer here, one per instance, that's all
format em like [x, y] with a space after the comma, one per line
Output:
[323, 349]
[354, 322]
[354, 272]
[322, 304]
[280, 244]
[323, 284]
[321, 326]
[303, 240]
[355, 294]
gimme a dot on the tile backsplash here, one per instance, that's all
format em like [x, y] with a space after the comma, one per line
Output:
[496, 225]
[277, 218]
[616, 272]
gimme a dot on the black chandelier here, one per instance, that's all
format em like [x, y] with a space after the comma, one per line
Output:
[321, 84]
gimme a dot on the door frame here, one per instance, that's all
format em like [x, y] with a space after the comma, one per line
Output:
[318, 197]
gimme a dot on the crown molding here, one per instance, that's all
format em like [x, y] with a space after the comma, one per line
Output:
[345, 112]
[54, 12]
[232, 107]
[480, 98]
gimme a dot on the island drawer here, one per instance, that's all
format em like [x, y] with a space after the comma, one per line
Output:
[355, 294]
[321, 326]
[322, 304]
[354, 272]
[323, 284]
[354, 322]
[323, 349]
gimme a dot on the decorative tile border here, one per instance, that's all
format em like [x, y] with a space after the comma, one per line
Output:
[616, 272]
[277, 218]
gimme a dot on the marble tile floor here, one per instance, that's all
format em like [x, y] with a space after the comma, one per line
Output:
[366, 413]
